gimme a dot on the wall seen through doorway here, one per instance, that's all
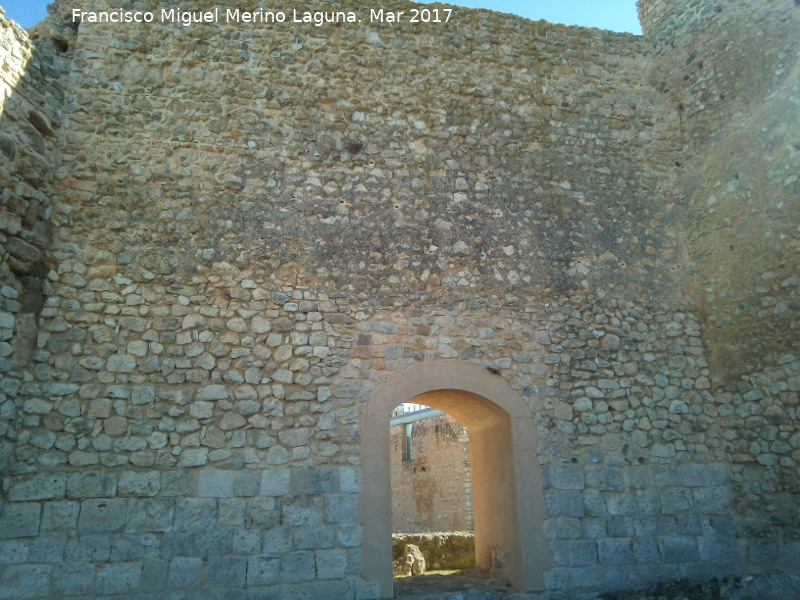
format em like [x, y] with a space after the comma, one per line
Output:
[431, 475]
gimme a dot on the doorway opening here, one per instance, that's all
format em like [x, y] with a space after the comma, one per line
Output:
[431, 472]
[508, 497]
[431, 478]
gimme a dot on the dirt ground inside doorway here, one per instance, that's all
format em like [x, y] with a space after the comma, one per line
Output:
[469, 584]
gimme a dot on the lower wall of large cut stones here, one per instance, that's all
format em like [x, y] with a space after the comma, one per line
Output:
[615, 527]
[288, 533]
[293, 533]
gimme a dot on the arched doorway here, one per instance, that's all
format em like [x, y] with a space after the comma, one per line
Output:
[507, 487]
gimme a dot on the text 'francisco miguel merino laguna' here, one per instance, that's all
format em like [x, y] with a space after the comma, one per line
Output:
[235, 15]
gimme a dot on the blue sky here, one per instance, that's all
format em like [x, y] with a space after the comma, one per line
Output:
[616, 15]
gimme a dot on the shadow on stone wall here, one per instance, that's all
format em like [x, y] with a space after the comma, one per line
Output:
[31, 97]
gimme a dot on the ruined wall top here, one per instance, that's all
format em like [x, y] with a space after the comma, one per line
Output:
[662, 19]
[667, 17]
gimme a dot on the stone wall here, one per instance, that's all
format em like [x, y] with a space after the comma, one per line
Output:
[733, 85]
[219, 239]
[433, 491]
[31, 98]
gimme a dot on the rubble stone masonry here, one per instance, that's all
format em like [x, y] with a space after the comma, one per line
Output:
[217, 240]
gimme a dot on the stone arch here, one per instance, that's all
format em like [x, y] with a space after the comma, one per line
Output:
[507, 485]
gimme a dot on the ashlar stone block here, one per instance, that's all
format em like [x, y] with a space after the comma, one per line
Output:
[605, 478]
[263, 512]
[247, 541]
[331, 564]
[154, 577]
[615, 551]
[649, 501]
[594, 528]
[565, 503]
[329, 480]
[574, 553]
[73, 579]
[594, 503]
[91, 484]
[645, 550]
[309, 537]
[714, 548]
[150, 514]
[226, 571]
[303, 482]
[567, 528]
[118, 578]
[318, 590]
[195, 514]
[586, 577]
[19, 520]
[196, 543]
[350, 481]
[297, 567]
[24, 581]
[693, 475]
[129, 547]
[622, 505]
[712, 499]
[185, 572]
[276, 542]
[341, 508]
[262, 570]
[47, 548]
[675, 500]
[564, 477]
[13, 552]
[43, 486]
[89, 548]
[177, 483]
[622, 578]
[275, 482]
[232, 512]
[136, 483]
[107, 515]
[247, 483]
[351, 535]
[216, 484]
[674, 548]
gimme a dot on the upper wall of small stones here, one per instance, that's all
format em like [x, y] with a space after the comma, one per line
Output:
[483, 157]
